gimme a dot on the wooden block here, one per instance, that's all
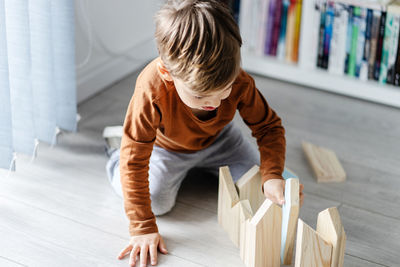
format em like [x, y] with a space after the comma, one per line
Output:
[263, 236]
[324, 163]
[290, 214]
[228, 211]
[245, 216]
[311, 249]
[329, 227]
[249, 187]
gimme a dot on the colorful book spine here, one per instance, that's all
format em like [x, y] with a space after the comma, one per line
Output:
[376, 17]
[276, 28]
[354, 41]
[295, 55]
[396, 80]
[329, 17]
[394, 42]
[367, 46]
[378, 57]
[282, 34]
[385, 49]
[321, 35]
[349, 34]
[309, 34]
[291, 23]
[264, 29]
[270, 26]
[337, 54]
[361, 44]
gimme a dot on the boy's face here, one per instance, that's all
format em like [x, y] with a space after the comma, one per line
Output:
[203, 101]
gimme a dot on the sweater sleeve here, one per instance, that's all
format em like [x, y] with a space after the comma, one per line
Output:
[266, 127]
[139, 133]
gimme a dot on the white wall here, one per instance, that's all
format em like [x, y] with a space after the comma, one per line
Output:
[113, 39]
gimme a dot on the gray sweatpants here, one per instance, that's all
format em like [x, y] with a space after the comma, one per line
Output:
[168, 169]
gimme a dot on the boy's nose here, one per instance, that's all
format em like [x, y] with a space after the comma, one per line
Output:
[213, 103]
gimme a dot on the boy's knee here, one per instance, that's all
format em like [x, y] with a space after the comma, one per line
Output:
[161, 206]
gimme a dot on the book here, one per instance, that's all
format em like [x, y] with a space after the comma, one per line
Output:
[393, 10]
[263, 33]
[321, 36]
[396, 80]
[282, 34]
[337, 54]
[356, 23]
[296, 38]
[385, 48]
[245, 23]
[290, 30]
[379, 47]
[276, 28]
[360, 67]
[367, 46]
[308, 46]
[376, 17]
[270, 26]
[235, 7]
[329, 17]
[349, 34]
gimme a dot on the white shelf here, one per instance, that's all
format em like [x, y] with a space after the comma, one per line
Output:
[321, 79]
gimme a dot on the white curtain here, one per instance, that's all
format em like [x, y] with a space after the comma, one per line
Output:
[37, 74]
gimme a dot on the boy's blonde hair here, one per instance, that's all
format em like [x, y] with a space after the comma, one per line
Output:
[199, 43]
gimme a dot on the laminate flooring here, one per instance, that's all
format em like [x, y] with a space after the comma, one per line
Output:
[60, 210]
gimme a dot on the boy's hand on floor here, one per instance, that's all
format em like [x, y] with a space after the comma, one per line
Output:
[144, 244]
[274, 190]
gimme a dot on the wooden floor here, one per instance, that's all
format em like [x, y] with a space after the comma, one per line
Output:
[61, 211]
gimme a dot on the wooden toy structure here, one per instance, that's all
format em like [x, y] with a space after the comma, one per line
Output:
[265, 232]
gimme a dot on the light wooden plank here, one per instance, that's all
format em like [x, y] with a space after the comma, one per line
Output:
[311, 249]
[245, 216]
[228, 210]
[290, 214]
[263, 236]
[324, 163]
[249, 187]
[329, 227]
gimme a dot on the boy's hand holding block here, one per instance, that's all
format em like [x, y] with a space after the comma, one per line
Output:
[324, 163]
[290, 214]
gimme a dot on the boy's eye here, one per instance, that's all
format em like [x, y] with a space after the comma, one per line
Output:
[198, 97]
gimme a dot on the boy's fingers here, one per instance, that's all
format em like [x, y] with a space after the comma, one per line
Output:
[143, 255]
[125, 251]
[133, 255]
[153, 254]
[280, 198]
[162, 246]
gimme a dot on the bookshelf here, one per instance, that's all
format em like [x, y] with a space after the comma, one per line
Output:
[306, 74]
[321, 79]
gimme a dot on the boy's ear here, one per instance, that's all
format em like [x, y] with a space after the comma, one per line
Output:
[163, 71]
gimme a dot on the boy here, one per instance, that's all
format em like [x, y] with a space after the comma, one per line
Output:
[180, 117]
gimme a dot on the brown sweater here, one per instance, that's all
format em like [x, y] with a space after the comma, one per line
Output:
[156, 115]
